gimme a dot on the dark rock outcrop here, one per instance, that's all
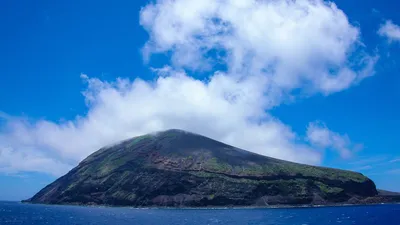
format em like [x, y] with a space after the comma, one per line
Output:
[177, 168]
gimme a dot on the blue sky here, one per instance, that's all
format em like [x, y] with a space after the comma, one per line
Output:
[47, 46]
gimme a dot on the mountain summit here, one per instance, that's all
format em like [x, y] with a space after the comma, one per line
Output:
[179, 168]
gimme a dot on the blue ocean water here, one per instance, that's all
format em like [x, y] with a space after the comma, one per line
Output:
[17, 213]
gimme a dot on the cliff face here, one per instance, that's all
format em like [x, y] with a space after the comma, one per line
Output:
[177, 168]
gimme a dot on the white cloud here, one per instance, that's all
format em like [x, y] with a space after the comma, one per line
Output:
[223, 109]
[390, 30]
[13, 161]
[292, 43]
[271, 49]
[320, 136]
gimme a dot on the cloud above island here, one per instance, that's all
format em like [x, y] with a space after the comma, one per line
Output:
[321, 137]
[256, 54]
[292, 44]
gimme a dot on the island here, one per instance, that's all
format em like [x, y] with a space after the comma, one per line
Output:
[176, 168]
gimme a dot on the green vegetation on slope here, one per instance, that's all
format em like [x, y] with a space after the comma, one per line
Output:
[176, 168]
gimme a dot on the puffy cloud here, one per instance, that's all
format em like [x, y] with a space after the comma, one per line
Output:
[271, 52]
[320, 136]
[13, 161]
[294, 44]
[223, 109]
[390, 30]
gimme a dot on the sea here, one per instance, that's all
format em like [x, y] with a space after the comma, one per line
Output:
[23, 214]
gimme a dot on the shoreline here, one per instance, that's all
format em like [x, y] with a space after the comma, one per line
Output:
[219, 207]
